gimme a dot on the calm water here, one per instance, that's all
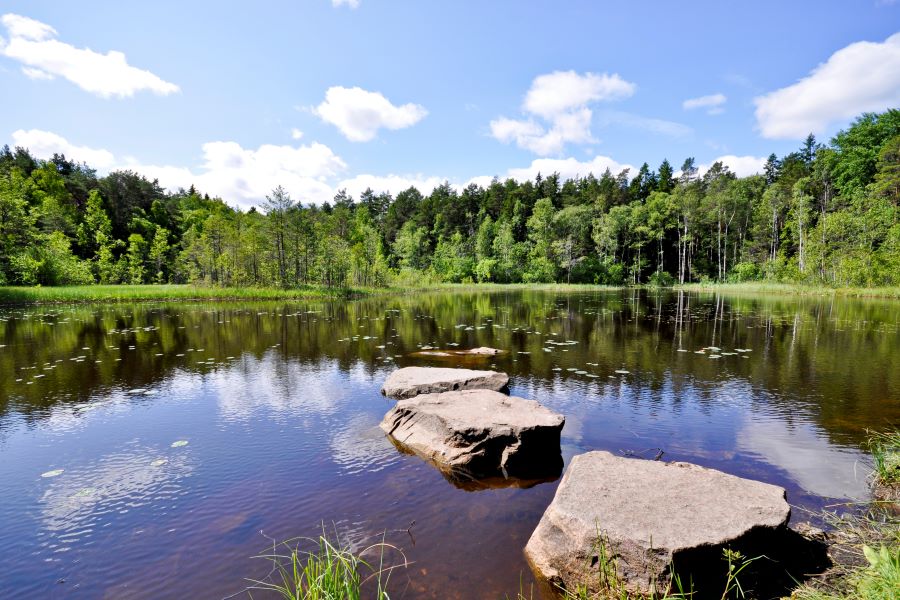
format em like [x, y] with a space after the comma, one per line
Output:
[279, 405]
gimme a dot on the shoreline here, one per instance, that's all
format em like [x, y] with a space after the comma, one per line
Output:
[119, 293]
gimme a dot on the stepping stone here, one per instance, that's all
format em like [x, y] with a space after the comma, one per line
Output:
[412, 381]
[479, 434]
[647, 519]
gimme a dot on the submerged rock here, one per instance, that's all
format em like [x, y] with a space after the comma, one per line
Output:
[482, 351]
[647, 519]
[479, 433]
[412, 381]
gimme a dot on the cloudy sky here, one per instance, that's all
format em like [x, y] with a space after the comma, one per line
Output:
[316, 95]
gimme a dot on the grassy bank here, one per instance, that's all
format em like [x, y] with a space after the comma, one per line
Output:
[20, 295]
[791, 289]
[137, 293]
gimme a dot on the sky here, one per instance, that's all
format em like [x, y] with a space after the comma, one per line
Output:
[319, 95]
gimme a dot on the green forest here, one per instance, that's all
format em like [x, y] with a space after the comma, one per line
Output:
[826, 214]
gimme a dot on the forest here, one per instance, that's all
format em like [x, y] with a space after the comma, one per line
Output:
[826, 214]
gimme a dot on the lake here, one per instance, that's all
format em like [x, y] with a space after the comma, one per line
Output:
[152, 450]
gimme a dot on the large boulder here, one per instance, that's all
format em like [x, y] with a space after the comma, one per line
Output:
[479, 433]
[623, 524]
[412, 381]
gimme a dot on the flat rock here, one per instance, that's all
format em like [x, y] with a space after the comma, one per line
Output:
[482, 351]
[649, 515]
[479, 433]
[412, 381]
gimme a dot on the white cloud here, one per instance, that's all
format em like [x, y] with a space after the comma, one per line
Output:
[390, 183]
[350, 3]
[310, 173]
[742, 166]
[246, 176]
[237, 175]
[296, 134]
[359, 114]
[561, 101]
[712, 103]
[561, 91]
[862, 77]
[45, 143]
[568, 168]
[33, 44]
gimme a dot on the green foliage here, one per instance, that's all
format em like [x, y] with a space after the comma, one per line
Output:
[661, 279]
[819, 215]
[331, 571]
[885, 449]
[743, 271]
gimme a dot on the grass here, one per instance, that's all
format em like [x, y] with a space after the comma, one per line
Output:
[865, 548]
[885, 449]
[330, 571]
[22, 295]
[791, 289]
[137, 293]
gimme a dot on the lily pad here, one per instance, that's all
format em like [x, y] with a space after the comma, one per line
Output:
[179, 443]
[53, 473]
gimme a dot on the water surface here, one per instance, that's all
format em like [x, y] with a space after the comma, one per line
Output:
[187, 433]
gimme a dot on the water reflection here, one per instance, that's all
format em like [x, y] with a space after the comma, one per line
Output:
[280, 403]
[817, 466]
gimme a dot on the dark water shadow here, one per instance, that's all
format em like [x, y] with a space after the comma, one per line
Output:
[547, 471]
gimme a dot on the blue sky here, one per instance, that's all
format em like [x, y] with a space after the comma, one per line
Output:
[315, 95]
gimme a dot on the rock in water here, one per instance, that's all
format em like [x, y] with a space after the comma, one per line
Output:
[649, 516]
[479, 433]
[412, 381]
[482, 351]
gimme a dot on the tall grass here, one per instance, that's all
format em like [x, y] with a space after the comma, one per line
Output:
[137, 293]
[885, 449]
[330, 571]
[792, 289]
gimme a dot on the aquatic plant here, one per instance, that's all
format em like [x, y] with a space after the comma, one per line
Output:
[885, 449]
[331, 570]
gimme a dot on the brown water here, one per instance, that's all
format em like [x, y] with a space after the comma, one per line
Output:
[279, 405]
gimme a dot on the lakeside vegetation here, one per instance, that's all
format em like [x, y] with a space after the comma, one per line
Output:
[865, 549]
[823, 215]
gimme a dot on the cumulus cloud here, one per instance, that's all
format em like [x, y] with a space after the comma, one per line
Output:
[568, 168]
[712, 103]
[34, 44]
[359, 114]
[561, 100]
[862, 77]
[245, 176]
[238, 175]
[742, 166]
[296, 134]
[558, 111]
[561, 91]
[310, 173]
[391, 183]
[45, 144]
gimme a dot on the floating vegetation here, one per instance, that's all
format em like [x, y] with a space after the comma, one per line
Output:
[622, 372]
[53, 473]
[161, 461]
[179, 443]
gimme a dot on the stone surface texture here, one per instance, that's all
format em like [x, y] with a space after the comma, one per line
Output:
[649, 515]
[481, 433]
[412, 381]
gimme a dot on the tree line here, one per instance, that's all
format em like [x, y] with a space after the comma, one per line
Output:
[826, 214]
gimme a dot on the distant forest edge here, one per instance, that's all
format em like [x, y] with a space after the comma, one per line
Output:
[825, 214]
